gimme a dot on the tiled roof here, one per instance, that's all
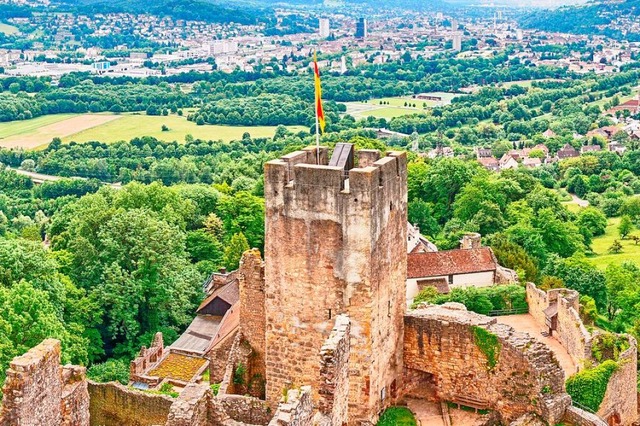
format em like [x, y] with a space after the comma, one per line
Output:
[230, 293]
[451, 262]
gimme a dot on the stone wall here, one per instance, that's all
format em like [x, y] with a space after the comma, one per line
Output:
[297, 410]
[244, 409]
[218, 358]
[334, 372]
[145, 359]
[333, 246]
[620, 400]
[526, 378]
[112, 404]
[577, 417]
[571, 332]
[252, 314]
[75, 396]
[238, 354]
[38, 391]
[191, 408]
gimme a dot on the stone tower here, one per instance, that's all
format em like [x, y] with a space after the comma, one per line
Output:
[336, 244]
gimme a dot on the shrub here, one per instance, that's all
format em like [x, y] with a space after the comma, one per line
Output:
[479, 300]
[608, 346]
[397, 416]
[589, 386]
[215, 388]
[238, 375]
[113, 370]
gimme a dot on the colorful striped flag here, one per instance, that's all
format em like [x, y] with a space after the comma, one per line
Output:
[319, 110]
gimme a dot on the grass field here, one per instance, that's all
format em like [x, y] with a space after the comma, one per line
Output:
[8, 29]
[24, 127]
[40, 131]
[572, 207]
[129, 126]
[395, 107]
[601, 245]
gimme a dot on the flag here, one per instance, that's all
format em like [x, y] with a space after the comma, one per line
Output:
[319, 110]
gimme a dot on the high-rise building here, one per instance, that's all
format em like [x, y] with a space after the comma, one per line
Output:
[361, 28]
[454, 25]
[457, 42]
[324, 27]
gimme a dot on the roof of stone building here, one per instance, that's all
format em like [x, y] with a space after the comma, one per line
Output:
[229, 292]
[488, 161]
[178, 367]
[230, 322]
[450, 262]
[199, 335]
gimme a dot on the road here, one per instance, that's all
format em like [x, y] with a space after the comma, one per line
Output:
[39, 178]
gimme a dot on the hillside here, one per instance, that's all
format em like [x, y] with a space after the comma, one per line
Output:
[610, 18]
[196, 10]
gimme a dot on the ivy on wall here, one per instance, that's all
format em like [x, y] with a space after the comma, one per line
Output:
[488, 344]
[608, 346]
[589, 386]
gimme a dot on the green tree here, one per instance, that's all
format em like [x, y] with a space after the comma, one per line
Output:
[112, 370]
[593, 219]
[616, 247]
[625, 227]
[234, 250]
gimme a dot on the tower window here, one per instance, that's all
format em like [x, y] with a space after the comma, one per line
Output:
[389, 308]
[329, 313]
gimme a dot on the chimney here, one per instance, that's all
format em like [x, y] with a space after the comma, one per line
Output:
[471, 241]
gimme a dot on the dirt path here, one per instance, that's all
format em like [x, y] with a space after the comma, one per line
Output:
[43, 135]
[579, 201]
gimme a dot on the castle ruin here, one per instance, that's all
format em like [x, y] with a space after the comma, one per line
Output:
[323, 321]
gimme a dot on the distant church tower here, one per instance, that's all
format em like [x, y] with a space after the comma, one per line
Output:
[336, 241]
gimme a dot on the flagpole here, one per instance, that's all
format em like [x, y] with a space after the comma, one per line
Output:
[317, 121]
[317, 138]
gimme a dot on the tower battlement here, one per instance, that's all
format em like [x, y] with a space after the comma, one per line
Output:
[297, 182]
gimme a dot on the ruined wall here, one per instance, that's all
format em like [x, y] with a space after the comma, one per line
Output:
[571, 332]
[191, 408]
[219, 357]
[620, 400]
[145, 359]
[244, 409]
[539, 300]
[526, 377]
[297, 410]
[334, 372]
[38, 392]
[577, 417]
[112, 404]
[75, 396]
[252, 314]
[335, 246]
